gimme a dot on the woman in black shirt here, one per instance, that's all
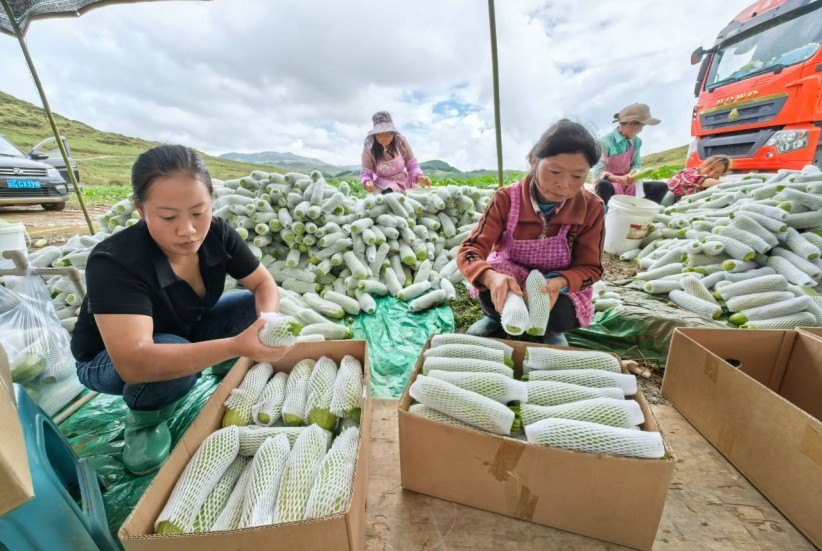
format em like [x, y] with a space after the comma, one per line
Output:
[155, 315]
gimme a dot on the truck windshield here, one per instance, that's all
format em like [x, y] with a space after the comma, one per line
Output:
[8, 150]
[773, 47]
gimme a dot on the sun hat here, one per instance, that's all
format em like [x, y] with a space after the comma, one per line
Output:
[636, 112]
[382, 123]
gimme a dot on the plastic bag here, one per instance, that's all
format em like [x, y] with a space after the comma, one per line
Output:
[35, 342]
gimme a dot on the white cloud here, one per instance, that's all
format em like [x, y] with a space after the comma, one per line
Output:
[305, 77]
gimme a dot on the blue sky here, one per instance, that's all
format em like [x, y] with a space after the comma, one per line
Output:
[305, 77]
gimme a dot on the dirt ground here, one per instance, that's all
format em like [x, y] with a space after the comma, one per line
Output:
[55, 226]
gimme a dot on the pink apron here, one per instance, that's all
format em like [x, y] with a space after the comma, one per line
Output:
[620, 165]
[391, 174]
[517, 258]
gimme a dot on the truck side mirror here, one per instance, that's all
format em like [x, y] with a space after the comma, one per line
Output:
[697, 55]
[37, 156]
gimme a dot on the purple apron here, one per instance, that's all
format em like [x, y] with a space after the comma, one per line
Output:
[391, 174]
[620, 165]
[517, 257]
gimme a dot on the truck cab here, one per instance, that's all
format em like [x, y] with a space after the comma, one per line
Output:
[759, 89]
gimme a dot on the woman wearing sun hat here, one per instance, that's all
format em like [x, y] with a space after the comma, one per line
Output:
[388, 164]
[613, 174]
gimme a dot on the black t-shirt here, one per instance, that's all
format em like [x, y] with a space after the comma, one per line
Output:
[129, 274]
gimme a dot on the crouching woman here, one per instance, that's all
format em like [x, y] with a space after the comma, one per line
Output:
[544, 222]
[155, 315]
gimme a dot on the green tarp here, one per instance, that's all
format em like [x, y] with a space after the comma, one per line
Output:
[395, 339]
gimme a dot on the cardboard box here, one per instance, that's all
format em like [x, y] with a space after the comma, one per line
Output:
[617, 499]
[757, 397]
[345, 531]
[15, 477]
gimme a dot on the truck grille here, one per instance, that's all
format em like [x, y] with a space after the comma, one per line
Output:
[21, 172]
[6, 193]
[734, 145]
[743, 114]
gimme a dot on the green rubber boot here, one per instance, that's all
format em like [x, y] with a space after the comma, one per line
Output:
[223, 367]
[147, 439]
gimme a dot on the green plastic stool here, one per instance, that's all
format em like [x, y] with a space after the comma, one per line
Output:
[52, 520]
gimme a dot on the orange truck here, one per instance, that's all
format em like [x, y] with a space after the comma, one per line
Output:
[759, 89]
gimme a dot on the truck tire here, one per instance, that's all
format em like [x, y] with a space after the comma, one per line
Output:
[54, 206]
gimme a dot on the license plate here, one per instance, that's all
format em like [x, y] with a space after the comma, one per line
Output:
[23, 184]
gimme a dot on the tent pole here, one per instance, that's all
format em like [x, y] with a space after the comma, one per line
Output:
[495, 69]
[18, 33]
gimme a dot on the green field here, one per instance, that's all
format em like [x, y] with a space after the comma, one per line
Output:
[104, 158]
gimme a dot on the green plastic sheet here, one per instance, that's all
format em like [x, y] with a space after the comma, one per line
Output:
[639, 329]
[395, 339]
[96, 433]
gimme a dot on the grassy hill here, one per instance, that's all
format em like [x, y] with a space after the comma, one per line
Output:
[670, 157]
[103, 158]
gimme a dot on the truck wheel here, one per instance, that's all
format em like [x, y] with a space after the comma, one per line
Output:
[54, 206]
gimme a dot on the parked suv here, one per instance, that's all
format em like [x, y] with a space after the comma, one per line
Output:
[24, 181]
[48, 152]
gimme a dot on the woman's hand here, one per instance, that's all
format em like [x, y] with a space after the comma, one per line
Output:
[369, 186]
[499, 285]
[248, 345]
[424, 181]
[552, 288]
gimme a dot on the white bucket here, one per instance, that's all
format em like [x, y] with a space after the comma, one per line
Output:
[627, 222]
[12, 238]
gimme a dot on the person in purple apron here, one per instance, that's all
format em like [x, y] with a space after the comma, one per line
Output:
[613, 174]
[388, 164]
[546, 222]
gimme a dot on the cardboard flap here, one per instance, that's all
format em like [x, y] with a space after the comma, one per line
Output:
[15, 476]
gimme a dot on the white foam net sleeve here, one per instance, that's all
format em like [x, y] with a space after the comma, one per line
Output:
[539, 303]
[199, 478]
[348, 388]
[605, 411]
[331, 491]
[243, 398]
[217, 499]
[554, 358]
[466, 365]
[551, 393]
[587, 377]
[466, 351]
[515, 318]
[229, 517]
[279, 330]
[491, 385]
[434, 415]
[266, 472]
[469, 407]
[595, 438]
[270, 406]
[462, 338]
[300, 470]
[294, 412]
[252, 437]
[319, 393]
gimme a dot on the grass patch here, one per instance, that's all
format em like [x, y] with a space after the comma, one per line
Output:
[466, 309]
[102, 195]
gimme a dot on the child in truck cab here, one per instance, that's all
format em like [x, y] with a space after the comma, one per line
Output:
[691, 180]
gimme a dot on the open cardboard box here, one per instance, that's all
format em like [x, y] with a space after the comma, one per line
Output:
[756, 395]
[344, 531]
[15, 475]
[617, 499]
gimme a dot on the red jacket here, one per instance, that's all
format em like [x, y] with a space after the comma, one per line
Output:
[584, 212]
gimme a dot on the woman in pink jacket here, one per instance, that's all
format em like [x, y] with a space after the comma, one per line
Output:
[388, 164]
